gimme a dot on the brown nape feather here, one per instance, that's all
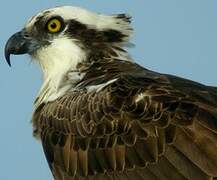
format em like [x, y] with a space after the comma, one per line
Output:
[142, 126]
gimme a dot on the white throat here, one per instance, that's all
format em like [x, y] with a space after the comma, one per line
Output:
[57, 60]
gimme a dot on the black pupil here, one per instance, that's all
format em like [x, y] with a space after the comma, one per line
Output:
[53, 25]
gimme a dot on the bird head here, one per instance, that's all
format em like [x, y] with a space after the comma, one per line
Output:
[65, 36]
[61, 39]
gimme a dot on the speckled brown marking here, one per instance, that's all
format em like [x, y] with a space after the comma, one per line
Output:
[143, 126]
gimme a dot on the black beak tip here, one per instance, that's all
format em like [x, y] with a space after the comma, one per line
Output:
[7, 57]
[9, 49]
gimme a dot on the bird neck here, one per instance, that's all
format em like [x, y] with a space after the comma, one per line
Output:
[66, 70]
[57, 61]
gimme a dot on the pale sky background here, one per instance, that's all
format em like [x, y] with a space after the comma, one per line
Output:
[171, 36]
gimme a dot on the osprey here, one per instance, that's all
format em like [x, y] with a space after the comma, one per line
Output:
[101, 116]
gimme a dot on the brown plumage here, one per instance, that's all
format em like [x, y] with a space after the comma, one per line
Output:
[144, 125]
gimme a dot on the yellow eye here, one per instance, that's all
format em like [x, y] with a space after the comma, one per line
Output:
[54, 25]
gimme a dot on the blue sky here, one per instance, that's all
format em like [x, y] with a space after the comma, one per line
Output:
[171, 36]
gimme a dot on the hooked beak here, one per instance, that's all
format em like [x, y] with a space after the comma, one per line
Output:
[17, 44]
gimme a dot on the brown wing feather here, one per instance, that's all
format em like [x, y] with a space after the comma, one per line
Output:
[136, 128]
